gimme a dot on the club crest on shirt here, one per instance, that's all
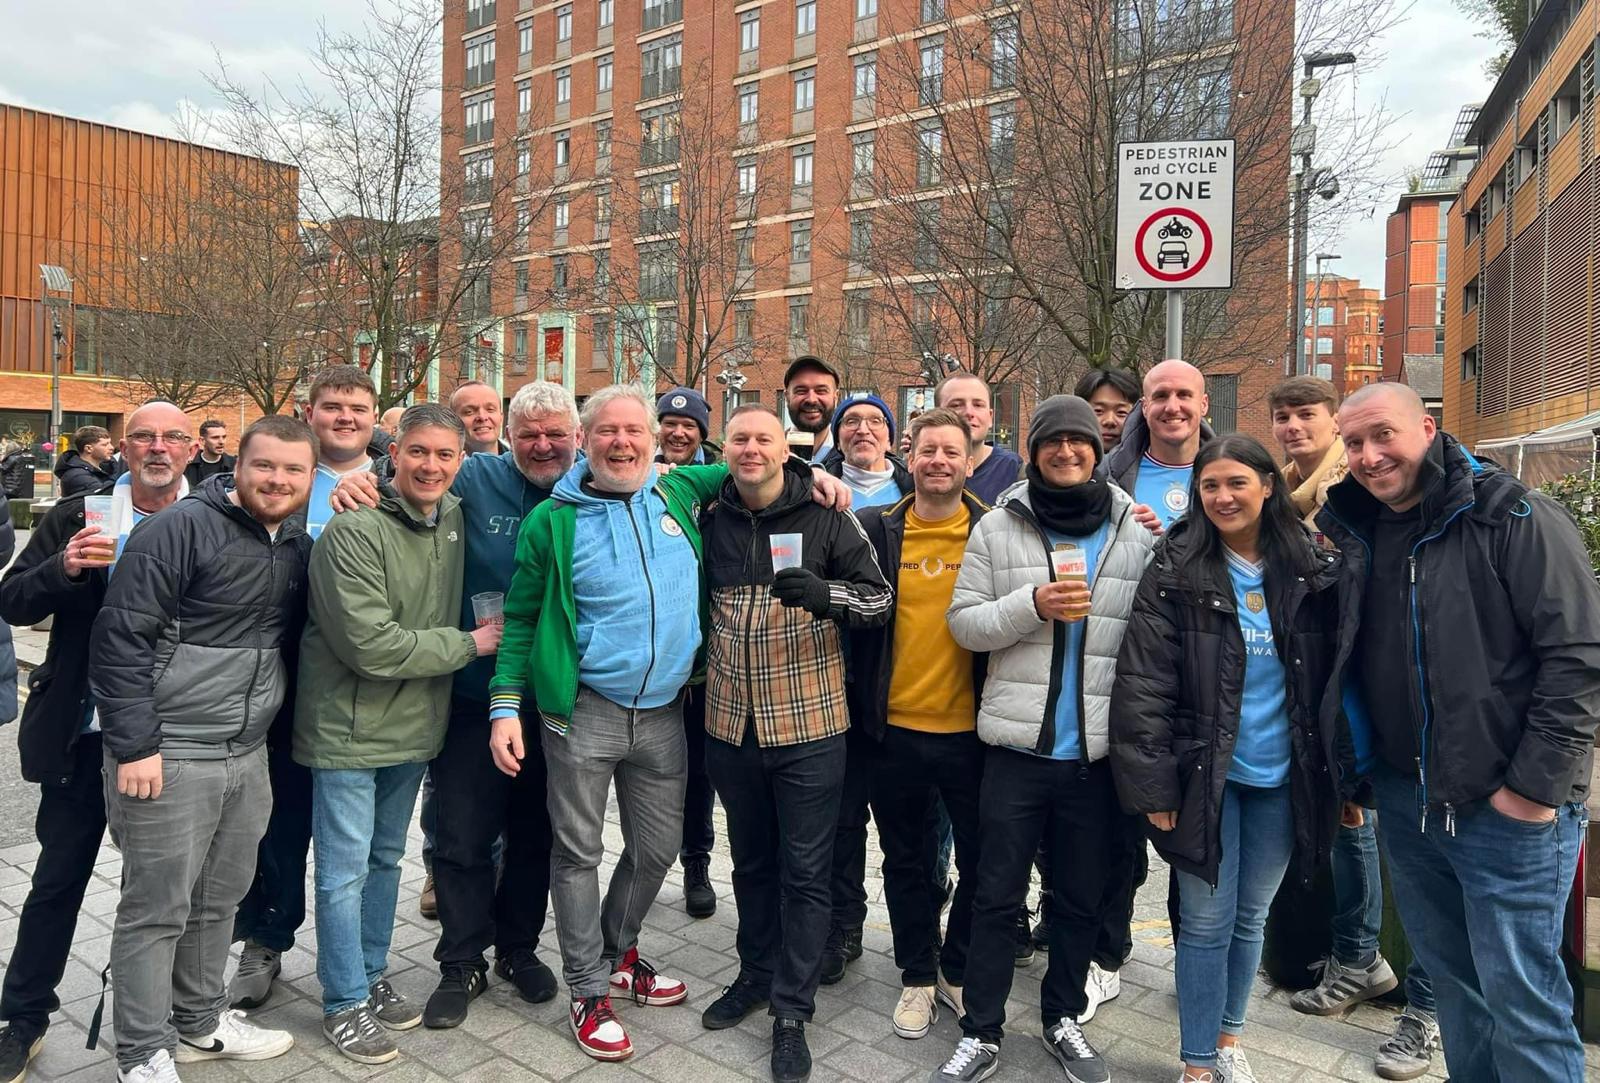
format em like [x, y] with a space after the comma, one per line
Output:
[670, 527]
[1177, 499]
[1254, 601]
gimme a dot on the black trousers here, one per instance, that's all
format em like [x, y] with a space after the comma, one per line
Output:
[782, 806]
[849, 875]
[1023, 795]
[70, 824]
[475, 804]
[913, 770]
[699, 833]
[274, 908]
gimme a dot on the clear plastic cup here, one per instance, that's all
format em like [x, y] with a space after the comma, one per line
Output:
[489, 608]
[786, 551]
[101, 512]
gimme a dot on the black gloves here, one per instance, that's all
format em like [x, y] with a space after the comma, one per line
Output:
[798, 588]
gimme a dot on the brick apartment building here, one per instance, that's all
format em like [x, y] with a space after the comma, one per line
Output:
[1521, 315]
[693, 181]
[70, 191]
[1344, 331]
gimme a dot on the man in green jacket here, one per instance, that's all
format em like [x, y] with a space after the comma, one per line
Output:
[377, 660]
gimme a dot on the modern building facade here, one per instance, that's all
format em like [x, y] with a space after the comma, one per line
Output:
[1522, 322]
[1344, 331]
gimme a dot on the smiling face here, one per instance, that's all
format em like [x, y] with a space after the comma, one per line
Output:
[426, 461]
[864, 437]
[544, 446]
[1386, 437]
[970, 399]
[1232, 495]
[157, 446]
[342, 418]
[478, 407]
[813, 395]
[680, 438]
[941, 461]
[754, 449]
[620, 446]
[1305, 432]
[1174, 402]
[1065, 460]
[273, 477]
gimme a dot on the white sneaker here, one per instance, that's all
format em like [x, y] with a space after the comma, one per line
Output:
[236, 1038]
[916, 1012]
[158, 1069]
[1101, 986]
[1232, 1067]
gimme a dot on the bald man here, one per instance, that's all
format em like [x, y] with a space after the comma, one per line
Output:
[1154, 460]
[478, 406]
[63, 574]
[1472, 692]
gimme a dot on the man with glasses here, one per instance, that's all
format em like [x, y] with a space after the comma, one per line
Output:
[62, 574]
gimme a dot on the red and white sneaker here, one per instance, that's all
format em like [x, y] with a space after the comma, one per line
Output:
[599, 1034]
[639, 981]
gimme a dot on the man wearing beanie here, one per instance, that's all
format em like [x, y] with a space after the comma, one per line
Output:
[685, 425]
[1046, 587]
[863, 432]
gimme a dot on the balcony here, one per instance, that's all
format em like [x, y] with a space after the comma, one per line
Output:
[479, 74]
[653, 220]
[658, 84]
[664, 14]
[482, 15]
[481, 132]
[654, 152]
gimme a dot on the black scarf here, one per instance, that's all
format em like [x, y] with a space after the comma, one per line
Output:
[1075, 511]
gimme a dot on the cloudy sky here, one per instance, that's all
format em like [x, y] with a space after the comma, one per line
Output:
[135, 63]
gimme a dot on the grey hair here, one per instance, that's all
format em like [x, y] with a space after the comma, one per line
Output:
[607, 395]
[542, 397]
[429, 415]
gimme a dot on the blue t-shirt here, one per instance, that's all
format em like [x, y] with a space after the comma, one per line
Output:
[1069, 703]
[884, 495]
[1261, 752]
[1164, 488]
[320, 508]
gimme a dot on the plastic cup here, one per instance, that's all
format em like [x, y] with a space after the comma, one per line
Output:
[786, 550]
[100, 512]
[489, 608]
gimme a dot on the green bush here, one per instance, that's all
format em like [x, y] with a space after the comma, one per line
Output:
[1580, 495]
[22, 513]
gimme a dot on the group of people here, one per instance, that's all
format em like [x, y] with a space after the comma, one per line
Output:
[1139, 632]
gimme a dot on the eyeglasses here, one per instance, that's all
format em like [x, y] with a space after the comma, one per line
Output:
[870, 421]
[144, 437]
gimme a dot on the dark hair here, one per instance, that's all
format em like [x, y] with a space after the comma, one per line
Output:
[1303, 391]
[1284, 544]
[342, 378]
[290, 430]
[87, 436]
[211, 423]
[1119, 380]
[429, 415]
[939, 418]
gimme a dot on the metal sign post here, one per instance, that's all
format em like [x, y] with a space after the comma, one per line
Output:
[1175, 221]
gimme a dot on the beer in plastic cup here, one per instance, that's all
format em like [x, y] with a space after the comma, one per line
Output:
[100, 512]
[786, 551]
[1069, 564]
[489, 608]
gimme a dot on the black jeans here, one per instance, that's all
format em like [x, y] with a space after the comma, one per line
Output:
[70, 824]
[474, 804]
[782, 806]
[849, 875]
[913, 769]
[274, 908]
[1024, 794]
[699, 834]
[1125, 875]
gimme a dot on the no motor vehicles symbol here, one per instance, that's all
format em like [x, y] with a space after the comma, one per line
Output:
[1173, 244]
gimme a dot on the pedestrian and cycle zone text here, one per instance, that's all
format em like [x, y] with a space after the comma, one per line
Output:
[1175, 215]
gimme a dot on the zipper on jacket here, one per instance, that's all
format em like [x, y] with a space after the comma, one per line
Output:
[750, 619]
[1421, 672]
[650, 590]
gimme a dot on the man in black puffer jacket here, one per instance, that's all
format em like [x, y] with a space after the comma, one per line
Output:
[188, 670]
[1470, 627]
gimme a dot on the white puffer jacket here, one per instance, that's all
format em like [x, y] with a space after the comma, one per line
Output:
[1007, 557]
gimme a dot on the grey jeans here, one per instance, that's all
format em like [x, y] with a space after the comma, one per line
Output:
[644, 751]
[188, 857]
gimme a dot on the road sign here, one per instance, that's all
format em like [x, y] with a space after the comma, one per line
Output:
[1175, 215]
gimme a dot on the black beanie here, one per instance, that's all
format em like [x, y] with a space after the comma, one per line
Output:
[1064, 415]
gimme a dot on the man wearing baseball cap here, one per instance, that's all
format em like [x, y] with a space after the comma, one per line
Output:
[811, 388]
[685, 425]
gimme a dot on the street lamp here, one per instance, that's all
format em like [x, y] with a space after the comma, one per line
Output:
[732, 381]
[1316, 304]
[1303, 142]
[56, 290]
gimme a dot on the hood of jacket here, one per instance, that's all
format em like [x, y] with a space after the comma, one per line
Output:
[833, 463]
[73, 459]
[1122, 461]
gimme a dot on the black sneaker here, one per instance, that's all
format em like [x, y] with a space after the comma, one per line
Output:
[791, 1057]
[1067, 1042]
[535, 982]
[1041, 930]
[737, 1001]
[19, 1044]
[843, 946]
[699, 897]
[1024, 939]
[973, 1061]
[460, 985]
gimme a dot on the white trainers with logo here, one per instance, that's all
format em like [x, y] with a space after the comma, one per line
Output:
[236, 1038]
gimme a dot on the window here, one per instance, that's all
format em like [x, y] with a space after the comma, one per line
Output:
[479, 119]
[602, 269]
[602, 207]
[930, 146]
[480, 61]
[658, 272]
[932, 9]
[930, 85]
[746, 249]
[799, 317]
[602, 75]
[525, 37]
[605, 13]
[860, 236]
[524, 160]
[802, 157]
[658, 13]
[749, 99]
[524, 220]
[858, 318]
[1469, 296]
[519, 345]
[925, 253]
[524, 99]
[1469, 363]
[805, 89]
[1438, 262]
[564, 23]
[658, 136]
[866, 75]
[563, 86]
[744, 319]
[1223, 391]
[661, 67]
[1002, 137]
[558, 272]
[479, 178]
[863, 156]
[563, 148]
[750, 31]
[602, 139]
[1324, 345]
[602, 342]
[479, 13]
[805, 18]
[866, 9]
[563, 215]
[800, 241]
[747, 177]
[476, 226]
[1003, 52]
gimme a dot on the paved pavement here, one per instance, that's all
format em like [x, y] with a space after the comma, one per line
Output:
[507, 1040]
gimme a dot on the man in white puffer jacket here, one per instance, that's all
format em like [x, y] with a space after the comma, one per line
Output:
[1052, 641]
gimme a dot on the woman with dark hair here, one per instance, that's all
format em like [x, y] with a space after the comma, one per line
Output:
[1222, 731]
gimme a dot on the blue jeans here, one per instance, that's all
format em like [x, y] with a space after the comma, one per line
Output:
[1358, 906]
[358, 827]
[1483, 906]
[1219, 938]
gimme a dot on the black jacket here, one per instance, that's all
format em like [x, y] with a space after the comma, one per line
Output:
[37, 587]
[833, 463]
[79, 475]
[1122, 462]
[1175, 707]
[1504, 644]
[871, 649]
[14, 470]
[187, 652]
[199, 470]
[8, 653]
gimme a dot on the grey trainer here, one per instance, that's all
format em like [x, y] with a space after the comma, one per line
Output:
[356, 1033]
[1408, 1052]
[391, 1009]
[251, 987]
[1344, 987]
[972, 1061]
